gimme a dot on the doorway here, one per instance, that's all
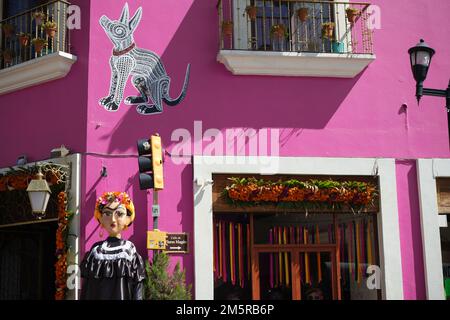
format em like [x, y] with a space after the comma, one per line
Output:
[27, 258]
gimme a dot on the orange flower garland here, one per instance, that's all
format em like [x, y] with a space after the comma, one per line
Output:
[352, 193]
[61, 249]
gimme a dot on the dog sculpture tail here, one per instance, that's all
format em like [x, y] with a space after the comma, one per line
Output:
[173, 102]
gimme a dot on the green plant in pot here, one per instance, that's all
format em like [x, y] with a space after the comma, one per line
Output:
[50, 28]
[39, 17]
[39, 44]
[278, 31]
[328, 30]
[352, 14]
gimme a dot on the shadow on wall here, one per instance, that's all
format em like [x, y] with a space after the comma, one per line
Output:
[221, 100]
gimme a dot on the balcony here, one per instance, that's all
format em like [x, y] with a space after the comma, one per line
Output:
[295, 38]
[35, 47]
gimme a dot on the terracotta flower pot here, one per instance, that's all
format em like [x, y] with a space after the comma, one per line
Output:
[38, 47]
[3, 184]
[8, 30]
[328, 30]
[278, 31]
[302, 14]
[24, 41]
[251, 12]
[19, 182]
[227, 28]
[51, 32]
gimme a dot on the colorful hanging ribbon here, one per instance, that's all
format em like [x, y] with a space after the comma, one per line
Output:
[249, 264]
[286, 260]
[224, 253]
[358, 253]
[241, 256]
[369, 243]
[216, 252]
[319, 263]
[271, 259]
[305, 239]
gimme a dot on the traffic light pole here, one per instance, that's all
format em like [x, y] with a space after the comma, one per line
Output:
[155, 209]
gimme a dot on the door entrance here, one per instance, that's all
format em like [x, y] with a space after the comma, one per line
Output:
[27, 258]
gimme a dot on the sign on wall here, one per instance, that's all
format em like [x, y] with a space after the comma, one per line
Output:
[145, 68]
[177, 243]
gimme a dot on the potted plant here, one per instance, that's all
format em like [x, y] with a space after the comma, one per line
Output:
[227, 28]
[38, 16]
[352, 14]
[251, 12]
[328, 30]
[337, 46]
[24, 39]
[302, 14]
[278, 31]
[8, 29]
[39, 44]
[8, 56]
[50, 28]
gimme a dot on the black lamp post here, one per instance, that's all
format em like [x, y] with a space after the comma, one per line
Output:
[421, 56]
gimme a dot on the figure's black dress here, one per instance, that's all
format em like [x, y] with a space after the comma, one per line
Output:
[113, 270]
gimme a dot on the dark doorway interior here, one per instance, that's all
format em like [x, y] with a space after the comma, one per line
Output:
[27, 259]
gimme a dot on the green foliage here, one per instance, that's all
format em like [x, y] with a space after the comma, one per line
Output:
[160, 285]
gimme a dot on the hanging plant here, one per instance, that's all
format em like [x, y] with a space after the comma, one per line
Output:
[50, 28]
[8, 29]
[8, 56]
[278, 31]
[251, 12]
[352, 14]
[39, 44]
[227, 28]
[302, 14]
[328, 30]
[39, 17]
[328, 192]
[24, 39]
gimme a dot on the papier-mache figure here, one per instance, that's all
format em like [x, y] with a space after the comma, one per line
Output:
[112, 269]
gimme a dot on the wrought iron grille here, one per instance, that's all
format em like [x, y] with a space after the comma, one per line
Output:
[295, 26]
[23, 35]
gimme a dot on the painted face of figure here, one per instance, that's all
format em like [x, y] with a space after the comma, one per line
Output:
[115, 219]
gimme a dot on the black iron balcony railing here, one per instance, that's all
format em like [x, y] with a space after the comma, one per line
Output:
[35, 33]
[295, 26]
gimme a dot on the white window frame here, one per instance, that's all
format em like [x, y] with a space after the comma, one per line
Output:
[388, 220]
[74, 203]
[427, 172]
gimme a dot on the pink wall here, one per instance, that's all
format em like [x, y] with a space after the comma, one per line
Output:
[35, 120]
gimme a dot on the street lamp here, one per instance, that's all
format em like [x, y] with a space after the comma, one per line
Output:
[39, 194]
[421, 56]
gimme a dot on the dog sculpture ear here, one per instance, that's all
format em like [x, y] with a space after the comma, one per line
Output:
[136, 19]
[125, 14]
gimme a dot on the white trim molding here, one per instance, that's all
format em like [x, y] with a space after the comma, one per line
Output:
[37, 71]
[427, 172]
[304, 64]
[388, 221]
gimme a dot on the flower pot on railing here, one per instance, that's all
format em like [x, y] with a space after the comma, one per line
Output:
[352, 14]
[337, 47]
[18, 182]
[39, 17]
[8, 29]
[39, 44]
[328, 30]
[251, 12]
[50, 28]
[8, 56]
[278, 31]
[24, 39]
[302, 14]
[227, 28]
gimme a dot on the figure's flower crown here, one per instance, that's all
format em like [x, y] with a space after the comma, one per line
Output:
[109, 197]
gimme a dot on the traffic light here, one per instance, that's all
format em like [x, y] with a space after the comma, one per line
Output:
[150, 163]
